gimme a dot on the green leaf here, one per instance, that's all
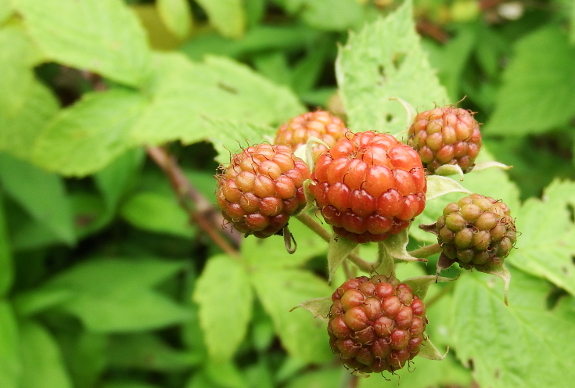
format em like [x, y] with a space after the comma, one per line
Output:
[115, 295]
[382, 61]
[337, 252]
[127, 384]
[271, 252]
[229, 137]
[225, 298]
[424, 373]
[335, 15]
[148, 352]
[102, 36]
[501, 341]
[157, 213]
[224, 374]
[87, 136]
[6, 264]
[17, 56]
[5, 10]
[528, 104]
[37, 300]
[227, 16]
[323, 378]
[85, 355]
[114, 179]
[48, 206]
[301, 334]
[10, 367]
[546, 243]
[176, 15]
[21, 126]
[42, 363]
[186, 93]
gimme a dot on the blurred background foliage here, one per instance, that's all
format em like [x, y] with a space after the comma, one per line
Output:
[98, 259]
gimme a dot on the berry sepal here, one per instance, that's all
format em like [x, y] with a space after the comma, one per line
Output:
[429, 350]
[337, 251]
[454, 169]
[319, 307]
[420, 284]
[396, 246]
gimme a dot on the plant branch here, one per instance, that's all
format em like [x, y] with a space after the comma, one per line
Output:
[194, 203]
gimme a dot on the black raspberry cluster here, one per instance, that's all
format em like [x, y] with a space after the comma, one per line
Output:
[369, 186]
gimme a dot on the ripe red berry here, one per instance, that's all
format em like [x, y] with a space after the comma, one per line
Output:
[319, 124]
[369, 186]
[444, 136]
[261, 188]
[375, 331]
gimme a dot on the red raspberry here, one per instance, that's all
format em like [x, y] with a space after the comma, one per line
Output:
[369, 186]
[260, 188]
[446, 135]
[319, 124]
[376, 324]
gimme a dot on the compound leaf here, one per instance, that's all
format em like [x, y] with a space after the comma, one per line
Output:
[384, 60]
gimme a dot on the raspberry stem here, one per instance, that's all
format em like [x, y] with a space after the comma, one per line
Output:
[426, 251]
[326, 236]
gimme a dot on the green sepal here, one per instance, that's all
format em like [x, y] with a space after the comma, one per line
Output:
[439, 185]
[504, 274]
[429, 351]
[319, 307]
[420, 284]
[337, 251]
[396, 246]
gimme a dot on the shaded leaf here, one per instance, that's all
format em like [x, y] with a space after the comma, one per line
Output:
[225, 306]
[49, 206]
[42, 363]
[10, 363]
[301, 334]
[6, 264]
[148, 352]
[157, 213]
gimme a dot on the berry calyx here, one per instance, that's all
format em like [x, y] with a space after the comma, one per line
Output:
[369, 186]
[319, 124]
[476, 232]
[376, 324]
[261, 188]
[446, 136]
